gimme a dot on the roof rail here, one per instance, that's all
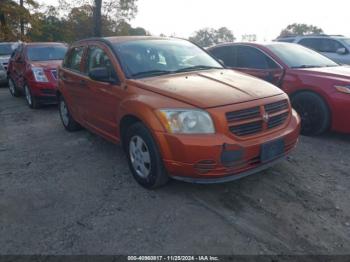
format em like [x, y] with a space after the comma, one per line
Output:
[295, 35]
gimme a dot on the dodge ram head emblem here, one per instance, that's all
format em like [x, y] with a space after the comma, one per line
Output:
[266, 117]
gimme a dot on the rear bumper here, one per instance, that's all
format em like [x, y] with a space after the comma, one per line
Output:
[200, 158]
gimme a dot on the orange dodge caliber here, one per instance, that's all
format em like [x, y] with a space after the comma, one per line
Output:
[175, 109]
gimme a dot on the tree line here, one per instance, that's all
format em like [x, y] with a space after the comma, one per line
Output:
[27, 20]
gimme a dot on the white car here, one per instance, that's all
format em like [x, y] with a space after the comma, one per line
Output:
[335, 47]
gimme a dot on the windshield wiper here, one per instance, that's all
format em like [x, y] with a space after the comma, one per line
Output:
[151, 73]
[197, 67]
[306, 66]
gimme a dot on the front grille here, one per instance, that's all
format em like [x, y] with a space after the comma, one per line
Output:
[54, 74]
[243, 114]
[277, 120]
[276, 107]
[247, 129]
[47, 91]
[258, 119]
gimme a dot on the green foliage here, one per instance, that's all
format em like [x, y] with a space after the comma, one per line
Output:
[208, 36]
[66, 23]
[300, 29]
[11, 13]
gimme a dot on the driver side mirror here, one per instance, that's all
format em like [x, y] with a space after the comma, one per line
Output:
[341, 51]
[102, 74]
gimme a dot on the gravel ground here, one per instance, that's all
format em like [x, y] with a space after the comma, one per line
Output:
[72, 193]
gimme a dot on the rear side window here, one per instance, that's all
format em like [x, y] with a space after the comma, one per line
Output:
[322, 44]
[249, 57]
[74, 58]
[228, 54]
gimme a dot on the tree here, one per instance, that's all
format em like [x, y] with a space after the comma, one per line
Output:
[98, 18]
[300, 29]
[209, 36]
[113, 10]
[15, 19]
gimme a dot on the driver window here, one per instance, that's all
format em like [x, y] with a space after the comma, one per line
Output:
[98, 58]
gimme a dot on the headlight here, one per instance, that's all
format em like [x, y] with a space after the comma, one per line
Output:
[183, 121]
[39, 74]
[343, 89]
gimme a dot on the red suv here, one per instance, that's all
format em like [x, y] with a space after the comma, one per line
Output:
[32, 70]
[318, 87]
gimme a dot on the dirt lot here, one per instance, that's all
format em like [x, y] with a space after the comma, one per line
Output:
[63, 193]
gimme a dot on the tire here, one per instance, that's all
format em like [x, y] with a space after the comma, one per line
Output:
[67, 120]
[314, 113]
[13, 88]
[149, 170]
[31, 100]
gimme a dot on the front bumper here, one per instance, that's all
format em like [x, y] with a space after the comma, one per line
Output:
[44, 93]
[340, 112]
[200, 158]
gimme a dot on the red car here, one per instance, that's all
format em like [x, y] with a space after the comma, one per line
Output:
[32, 71]
[318, 87]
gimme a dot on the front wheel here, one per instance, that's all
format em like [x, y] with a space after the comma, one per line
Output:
[13, 88]
[144, 158]
[31, 100]
[314, 113]
[67, 120]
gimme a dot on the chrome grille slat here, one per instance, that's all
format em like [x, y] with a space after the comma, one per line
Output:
[54, 74]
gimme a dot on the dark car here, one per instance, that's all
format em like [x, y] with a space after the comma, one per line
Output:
[319, 88]
[32, 71]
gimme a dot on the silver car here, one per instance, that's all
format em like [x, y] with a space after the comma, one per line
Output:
[3, 75]
[6, 49]
[336, 47]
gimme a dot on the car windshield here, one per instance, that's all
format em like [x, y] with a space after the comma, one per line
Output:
[297, 56]
[45, 53]
[145, 58]
[347, 41]
[6, 49]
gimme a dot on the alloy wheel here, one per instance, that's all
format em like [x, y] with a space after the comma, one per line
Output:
[28, 95]
[12, 87]
[140, 156]
[64, 113]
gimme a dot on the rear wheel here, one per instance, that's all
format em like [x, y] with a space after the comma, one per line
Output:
[13, 88]
[144, 158]
[31, 100]
[67, 120]
[314, 113]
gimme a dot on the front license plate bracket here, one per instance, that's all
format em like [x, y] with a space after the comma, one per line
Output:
[272, 150]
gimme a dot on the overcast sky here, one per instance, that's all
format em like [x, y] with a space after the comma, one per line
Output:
[265, 18]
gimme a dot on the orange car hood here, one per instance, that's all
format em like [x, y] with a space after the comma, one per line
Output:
[211, 88]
